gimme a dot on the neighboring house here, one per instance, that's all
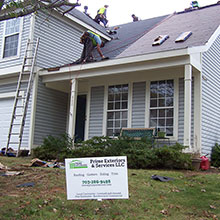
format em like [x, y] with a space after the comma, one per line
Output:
[174, 86]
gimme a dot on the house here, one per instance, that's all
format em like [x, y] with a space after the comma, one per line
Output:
[162, 72]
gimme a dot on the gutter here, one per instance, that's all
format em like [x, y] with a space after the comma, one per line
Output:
[115, 62]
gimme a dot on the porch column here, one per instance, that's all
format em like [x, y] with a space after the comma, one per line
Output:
[72, 109]
[187, 105]
[197, 112]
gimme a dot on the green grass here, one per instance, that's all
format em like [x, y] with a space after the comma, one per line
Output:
[191, 195]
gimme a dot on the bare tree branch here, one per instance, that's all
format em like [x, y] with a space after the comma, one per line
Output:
[19, 9]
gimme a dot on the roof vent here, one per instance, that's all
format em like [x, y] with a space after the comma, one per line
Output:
[160, 39]
[183, 36]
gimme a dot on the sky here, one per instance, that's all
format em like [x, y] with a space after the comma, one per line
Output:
[120, 11]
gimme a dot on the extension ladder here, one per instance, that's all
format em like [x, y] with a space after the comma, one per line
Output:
[22, 96]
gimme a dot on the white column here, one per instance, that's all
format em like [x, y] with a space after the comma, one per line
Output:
[197, 111]
[72, 109]
[187, 105]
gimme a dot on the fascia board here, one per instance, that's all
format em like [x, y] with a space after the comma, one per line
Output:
[112, 71]
[117, 62]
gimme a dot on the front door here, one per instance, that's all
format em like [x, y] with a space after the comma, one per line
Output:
[80, 118]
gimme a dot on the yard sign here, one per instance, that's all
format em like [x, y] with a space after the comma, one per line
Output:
[97, 178]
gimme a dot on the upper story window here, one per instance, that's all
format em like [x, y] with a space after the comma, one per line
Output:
[117, 113]
[162, 106]
[11, 37]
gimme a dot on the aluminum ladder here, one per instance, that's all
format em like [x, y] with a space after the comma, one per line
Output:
[22, 96]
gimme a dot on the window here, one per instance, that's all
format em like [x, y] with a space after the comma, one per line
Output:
[11, 37]
[162, 106]
[117, 113]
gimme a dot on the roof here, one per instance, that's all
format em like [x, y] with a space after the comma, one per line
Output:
[202, 22]
[136, 38]
[128, 34]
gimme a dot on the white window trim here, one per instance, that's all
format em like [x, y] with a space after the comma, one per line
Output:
[106, 105]
[19, 41]
[175, 106]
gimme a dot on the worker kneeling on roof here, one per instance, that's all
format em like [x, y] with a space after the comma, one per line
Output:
[90, 41]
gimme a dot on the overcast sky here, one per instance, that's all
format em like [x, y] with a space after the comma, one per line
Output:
[120, 11]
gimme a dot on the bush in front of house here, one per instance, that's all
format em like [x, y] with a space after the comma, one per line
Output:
[141, 154]
[215, 156]
[54, 148]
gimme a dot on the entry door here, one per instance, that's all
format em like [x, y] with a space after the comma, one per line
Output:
[80, 118]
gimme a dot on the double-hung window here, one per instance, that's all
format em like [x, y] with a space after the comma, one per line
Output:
[117, 112]
[11, 37]
[162, 106]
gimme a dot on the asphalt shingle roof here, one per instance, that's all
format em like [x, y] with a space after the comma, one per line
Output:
[128, 34]
[202, 22]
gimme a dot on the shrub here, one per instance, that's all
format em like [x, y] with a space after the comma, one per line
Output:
[140, 154]
[215, 156]
[54, 148]
[173, 157]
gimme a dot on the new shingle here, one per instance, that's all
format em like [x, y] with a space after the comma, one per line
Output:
[202, 22]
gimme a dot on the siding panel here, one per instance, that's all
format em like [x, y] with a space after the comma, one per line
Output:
[59, 42]
[96, 111]
[51, 113]
[211, 97]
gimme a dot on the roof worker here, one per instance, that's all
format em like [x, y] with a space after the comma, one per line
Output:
[194, 4]
[90, 41]
[85, 11]
[101, 16]
[135, 18]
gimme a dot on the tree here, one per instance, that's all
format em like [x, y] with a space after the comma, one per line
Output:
[17, 8]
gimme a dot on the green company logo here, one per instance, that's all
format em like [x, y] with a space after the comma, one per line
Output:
[77, 164]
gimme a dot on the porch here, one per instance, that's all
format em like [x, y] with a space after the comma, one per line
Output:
[148, 92]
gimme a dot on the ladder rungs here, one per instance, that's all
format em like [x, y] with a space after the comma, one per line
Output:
[18, 115]
[24, 81]
[26, 72]
[20, 110]
[20, 97]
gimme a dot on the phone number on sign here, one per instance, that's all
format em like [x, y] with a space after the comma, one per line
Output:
[88, 182]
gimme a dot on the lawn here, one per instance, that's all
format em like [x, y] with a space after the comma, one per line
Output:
[191, 195]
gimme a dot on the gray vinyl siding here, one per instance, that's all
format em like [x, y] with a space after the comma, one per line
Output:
[12, 88]
[138, 105]
[51, 113]
[4, 63]
[181, 112]
[211, 97]
[96, 111]
[59, 42]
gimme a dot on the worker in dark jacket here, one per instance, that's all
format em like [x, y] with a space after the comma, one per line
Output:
[101, 16]
[90, 41]
[135, 18]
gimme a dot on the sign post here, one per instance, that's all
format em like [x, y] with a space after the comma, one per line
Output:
[97, 178]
